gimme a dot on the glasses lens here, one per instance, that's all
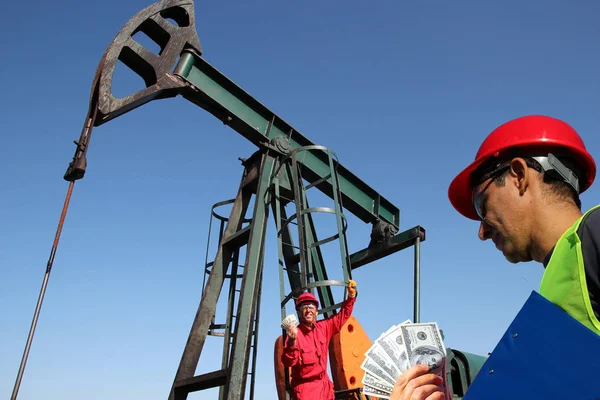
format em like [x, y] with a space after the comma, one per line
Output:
[478, 204]
[479, 199]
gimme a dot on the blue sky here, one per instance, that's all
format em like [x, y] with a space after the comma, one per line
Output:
[403, 92]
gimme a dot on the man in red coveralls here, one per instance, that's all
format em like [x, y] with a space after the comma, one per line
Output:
[306, 347]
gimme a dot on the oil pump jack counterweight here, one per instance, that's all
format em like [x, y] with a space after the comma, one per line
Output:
[277, 176]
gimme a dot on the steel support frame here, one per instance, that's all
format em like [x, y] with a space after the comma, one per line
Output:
[206, 309]
[251, 284]
[214, 92]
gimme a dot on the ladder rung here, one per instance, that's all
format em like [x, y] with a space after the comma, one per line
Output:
[238, 239]
[286, 198]
[200, 382]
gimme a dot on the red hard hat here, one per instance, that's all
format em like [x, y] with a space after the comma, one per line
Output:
[306, 297]
[530, 134]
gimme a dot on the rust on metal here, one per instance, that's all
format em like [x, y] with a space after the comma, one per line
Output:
[154, 69]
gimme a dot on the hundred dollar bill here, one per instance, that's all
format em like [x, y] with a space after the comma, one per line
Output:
[369, 391]
[424, 345]
[378, 354]
[370, 366]
[393, 345]
[376, 383]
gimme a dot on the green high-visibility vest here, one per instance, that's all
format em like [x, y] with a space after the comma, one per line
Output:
[564, 282]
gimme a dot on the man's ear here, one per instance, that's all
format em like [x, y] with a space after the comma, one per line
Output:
[520, 173]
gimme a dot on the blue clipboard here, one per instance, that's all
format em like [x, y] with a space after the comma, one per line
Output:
[544, 354]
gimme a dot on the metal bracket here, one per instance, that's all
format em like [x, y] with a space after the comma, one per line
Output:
[553, 165]
[382, 232]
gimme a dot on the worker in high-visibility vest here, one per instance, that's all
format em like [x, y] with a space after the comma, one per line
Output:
[523, 188]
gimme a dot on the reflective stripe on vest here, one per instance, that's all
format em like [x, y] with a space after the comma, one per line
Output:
[564, 282]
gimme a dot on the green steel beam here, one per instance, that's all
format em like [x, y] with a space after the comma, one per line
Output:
[217, 94]
[396, 243]
[250, 290]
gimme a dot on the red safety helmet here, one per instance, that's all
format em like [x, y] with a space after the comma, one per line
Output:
[306, 297]
[527, 134]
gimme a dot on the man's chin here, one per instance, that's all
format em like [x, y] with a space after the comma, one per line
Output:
[515, 258]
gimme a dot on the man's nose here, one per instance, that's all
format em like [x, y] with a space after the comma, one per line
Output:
[485, 231]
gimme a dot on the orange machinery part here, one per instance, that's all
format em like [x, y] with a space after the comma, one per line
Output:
[346, 353]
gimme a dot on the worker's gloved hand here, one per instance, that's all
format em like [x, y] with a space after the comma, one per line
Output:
[352, 288]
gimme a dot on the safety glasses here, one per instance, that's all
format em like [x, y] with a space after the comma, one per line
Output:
[479, 196]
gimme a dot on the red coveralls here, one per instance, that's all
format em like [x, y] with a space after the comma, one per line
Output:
[308, 357]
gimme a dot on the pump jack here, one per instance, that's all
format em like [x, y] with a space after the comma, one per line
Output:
[282, 170]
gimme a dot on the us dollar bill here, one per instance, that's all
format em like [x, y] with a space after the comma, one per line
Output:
[424, 345]
[393, 345]
[369, 391]
[371, 367]
[379, 356]
[376, 383]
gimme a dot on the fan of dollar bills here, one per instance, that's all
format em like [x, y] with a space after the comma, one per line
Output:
[288, 321]
[399, 348]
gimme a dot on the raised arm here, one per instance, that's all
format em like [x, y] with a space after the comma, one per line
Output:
[335, 323]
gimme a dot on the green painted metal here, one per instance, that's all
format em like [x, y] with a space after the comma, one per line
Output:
[236, 273]
[313, 273]
[398, 242]
[318, 267]
[250, 291]
[217, 94]
[212, 290]
[461, 370]
[313, 256]
[475, 362]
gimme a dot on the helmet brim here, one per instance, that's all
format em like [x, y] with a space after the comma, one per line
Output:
[316, 303]
[460, 191]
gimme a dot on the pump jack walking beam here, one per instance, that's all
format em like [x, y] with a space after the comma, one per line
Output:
[179, 69]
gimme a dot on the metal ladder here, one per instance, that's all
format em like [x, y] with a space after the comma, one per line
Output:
[233, 276]
[304, 262]
[241, 341]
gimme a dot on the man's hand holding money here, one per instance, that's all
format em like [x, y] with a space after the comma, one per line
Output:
[417, 383]
[407, 362]
[291, 329]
